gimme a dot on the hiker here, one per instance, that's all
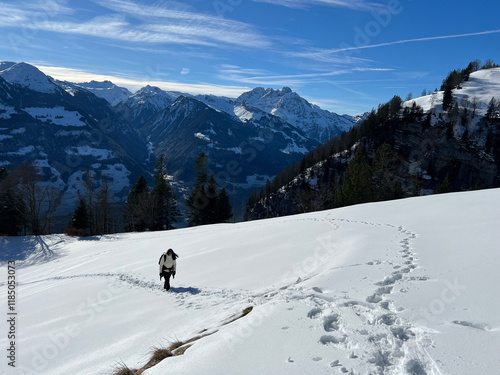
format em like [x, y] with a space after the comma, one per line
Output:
[167, 266]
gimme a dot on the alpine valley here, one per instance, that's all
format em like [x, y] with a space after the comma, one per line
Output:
[67, 129]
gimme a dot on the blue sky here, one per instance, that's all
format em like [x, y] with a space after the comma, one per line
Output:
[346, 56]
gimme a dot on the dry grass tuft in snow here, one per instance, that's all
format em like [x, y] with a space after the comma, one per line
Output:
[175, 348]
[122, 369]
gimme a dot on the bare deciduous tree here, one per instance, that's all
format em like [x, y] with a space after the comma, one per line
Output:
[36, 201]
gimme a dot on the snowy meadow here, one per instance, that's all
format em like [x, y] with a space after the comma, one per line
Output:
[400, 287]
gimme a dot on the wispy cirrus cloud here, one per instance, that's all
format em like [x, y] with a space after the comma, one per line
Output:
[132, 22]
[173, 18]
[250, 76]
[360, 5]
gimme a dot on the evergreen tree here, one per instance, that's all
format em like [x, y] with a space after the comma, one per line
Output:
[136, 211]
[88, 183]
[164, 202]
[209, 213]
[447, 97]
[356, 186]
[206, 205]
[197, 201]
[201, 170]
[80, 219]
[444, 186]
[103, 207]
[384, 173]
[224, 211]
[395, 105]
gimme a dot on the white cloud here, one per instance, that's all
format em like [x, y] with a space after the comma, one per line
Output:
[134, 84]
[185, 71]
[250, 76]
[350, 4]
[139, 23]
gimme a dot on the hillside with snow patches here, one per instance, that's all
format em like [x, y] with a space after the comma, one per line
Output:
[401, 287]
[66, 128]
[482, 85]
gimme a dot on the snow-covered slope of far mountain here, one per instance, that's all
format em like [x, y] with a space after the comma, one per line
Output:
[189, 126]
[394, 288]
[219, 103]
[27, 76]
[318, 124]
[145, 104]
[289, 106]
[107, 90]
[481, 87]
[153, 97]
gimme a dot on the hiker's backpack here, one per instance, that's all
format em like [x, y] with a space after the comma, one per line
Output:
[161, 256]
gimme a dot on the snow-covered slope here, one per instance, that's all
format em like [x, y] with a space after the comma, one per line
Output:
[401, 287]
[289, 106]
[154, 97]
[219, 103]
[481, 86]
[145, 104]
[27, 76]
[107, 90]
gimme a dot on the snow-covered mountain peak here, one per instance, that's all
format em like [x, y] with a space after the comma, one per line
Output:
[107, 90]
[154, 97]
[286, 104]
[27, 76]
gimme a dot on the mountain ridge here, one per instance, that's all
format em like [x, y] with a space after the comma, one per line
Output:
[404, 150]
[87, 133]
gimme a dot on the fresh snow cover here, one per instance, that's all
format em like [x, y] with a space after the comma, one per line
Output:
[153, 96]
[292, 108]
[482, 85]
[5, 136]
[219, 103]
[56, 115]
[86, 150]
[120, 177]
[399, 287]
[292, 147]
[18, 130]
[22, 151]
[106, 90]
[6, 111]
[203, 137]
[4, 65]
[27, 76]
[71, 133]
[245, 115]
